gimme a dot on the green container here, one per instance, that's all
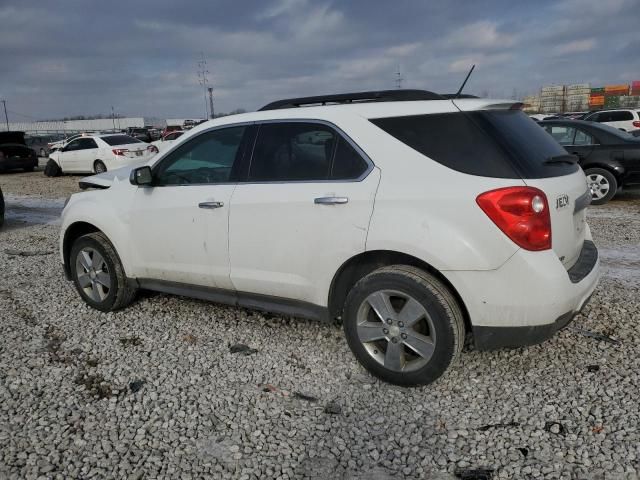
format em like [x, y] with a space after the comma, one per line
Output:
[597, 90]
[612, 102]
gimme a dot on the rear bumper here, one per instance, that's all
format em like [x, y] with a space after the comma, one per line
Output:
[528, 299]
[15, 163]
[492, 338]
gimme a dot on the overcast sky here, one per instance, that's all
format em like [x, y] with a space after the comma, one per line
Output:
[76, 57]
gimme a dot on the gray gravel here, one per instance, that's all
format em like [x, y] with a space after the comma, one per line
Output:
[155, 391]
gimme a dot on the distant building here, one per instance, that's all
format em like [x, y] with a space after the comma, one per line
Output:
[97, 125]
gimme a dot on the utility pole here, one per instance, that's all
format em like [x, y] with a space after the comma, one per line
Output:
[113, 118]
[6, 118]
[210, 89]
[203, 80]
[399, 78]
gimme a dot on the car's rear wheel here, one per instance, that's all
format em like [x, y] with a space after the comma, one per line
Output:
[98, 273]
[99, 167]
[403, 325]
[603, 185]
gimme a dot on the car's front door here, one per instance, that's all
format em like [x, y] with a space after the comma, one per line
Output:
[68, 156]
[302, 211]
[86, 155]
[180, 224]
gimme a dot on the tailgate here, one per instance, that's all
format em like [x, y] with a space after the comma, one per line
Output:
[568, 198]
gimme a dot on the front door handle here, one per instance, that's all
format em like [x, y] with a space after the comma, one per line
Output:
[330, 200]
[210, 204]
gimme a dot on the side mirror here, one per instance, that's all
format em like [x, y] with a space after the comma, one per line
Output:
[141, 176]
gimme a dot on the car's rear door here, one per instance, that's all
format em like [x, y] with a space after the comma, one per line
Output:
[303, 210]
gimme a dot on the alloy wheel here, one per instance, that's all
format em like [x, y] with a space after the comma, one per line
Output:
[396, 330]
[93, 274]
[598, 185]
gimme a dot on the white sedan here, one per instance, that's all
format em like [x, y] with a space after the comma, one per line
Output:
[99, 153]
[166, 141]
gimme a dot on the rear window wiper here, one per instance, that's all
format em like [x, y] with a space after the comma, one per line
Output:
[572, 159]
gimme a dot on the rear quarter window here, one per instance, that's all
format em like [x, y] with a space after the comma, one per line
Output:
[493, 143]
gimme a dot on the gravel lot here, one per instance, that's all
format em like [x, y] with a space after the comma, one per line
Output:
[155, 392]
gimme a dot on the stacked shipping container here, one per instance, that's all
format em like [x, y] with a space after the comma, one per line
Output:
[577, 97]
[552, 99]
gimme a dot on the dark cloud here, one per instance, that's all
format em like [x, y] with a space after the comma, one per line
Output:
[140, 56]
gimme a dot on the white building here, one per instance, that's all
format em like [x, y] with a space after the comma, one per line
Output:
[101, 124]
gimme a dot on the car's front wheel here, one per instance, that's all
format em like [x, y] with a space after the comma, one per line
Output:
[98, 273]
[99, 167]
[403, 325]
[603, 185]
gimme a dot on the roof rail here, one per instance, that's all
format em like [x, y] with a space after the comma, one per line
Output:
[455, 96]
[356, 97]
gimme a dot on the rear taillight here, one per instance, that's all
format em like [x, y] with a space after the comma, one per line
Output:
[120, 151]
[152, 149]
[522, 213]
[636, 123]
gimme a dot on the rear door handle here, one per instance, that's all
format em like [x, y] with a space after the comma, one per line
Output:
[210, 204]
[330, 200]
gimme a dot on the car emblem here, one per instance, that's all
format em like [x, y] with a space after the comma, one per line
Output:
[562, 201]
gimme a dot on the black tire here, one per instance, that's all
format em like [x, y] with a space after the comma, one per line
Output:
[52, 169]
[120, 292]
[1, 208]
[611, 183]
[445, 315]
[99, 167]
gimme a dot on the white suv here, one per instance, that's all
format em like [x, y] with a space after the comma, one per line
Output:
[412, 218]
[625, 119]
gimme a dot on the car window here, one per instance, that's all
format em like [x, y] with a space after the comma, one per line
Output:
[347, 163]
[621, 116]
[73, 145]
[583, 138]
[86, 143]
[562, 134]
[292, 151]
[208, 158]
[173, 136]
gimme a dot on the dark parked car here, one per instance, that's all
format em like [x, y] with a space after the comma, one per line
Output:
[609, 157]
[140, 133]
[15, 154]
[40, 143]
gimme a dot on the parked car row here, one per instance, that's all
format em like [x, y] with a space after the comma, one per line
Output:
[624, 119]
[98, 154]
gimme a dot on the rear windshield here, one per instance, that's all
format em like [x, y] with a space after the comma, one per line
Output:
[493, 143]
[120, 140]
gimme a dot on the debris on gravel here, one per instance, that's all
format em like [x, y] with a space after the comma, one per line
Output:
[243, 349]
[68, 374]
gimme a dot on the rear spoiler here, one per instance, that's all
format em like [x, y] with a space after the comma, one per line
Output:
[472, 104]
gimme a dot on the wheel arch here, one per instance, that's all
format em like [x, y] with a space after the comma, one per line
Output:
[616, 169]
[71, 234]
[364, 263]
